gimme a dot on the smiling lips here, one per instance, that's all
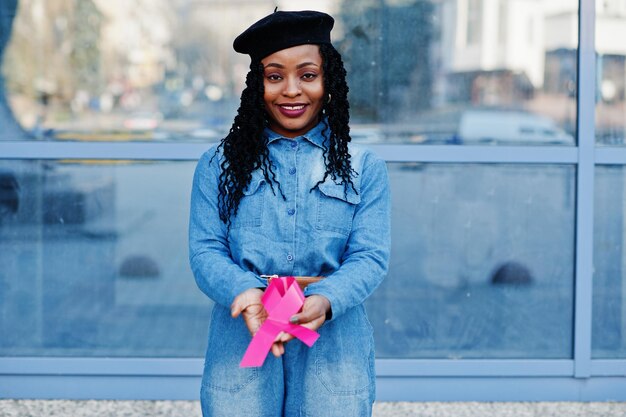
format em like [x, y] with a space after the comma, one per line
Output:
[292, 110]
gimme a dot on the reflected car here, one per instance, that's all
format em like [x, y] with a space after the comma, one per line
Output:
[510, 127]
[482, 126]
[143, 120]
[366, 135]
[9, 194]
[206, 133]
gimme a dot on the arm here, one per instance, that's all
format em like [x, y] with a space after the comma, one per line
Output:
[366, 257]
[209, 254]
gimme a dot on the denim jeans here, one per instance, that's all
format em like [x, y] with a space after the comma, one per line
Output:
[333, 378]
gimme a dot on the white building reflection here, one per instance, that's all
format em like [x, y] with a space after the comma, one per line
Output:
[114, 64]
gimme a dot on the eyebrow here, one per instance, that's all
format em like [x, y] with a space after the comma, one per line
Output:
[302, 65]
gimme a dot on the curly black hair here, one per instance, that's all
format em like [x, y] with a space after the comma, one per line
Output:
[245, 147]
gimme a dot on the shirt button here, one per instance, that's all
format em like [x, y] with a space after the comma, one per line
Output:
[294, 144]
[290, 258]
[291, 212]
[292, 171]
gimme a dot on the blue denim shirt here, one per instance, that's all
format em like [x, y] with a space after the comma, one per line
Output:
[345, 238]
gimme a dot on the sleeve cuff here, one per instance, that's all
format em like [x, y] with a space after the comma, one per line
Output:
[335, 305]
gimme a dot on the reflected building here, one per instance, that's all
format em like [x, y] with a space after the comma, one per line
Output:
[493, 51]
[387, 49]
[136, 41]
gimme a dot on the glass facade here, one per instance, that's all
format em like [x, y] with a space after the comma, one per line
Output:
[503, 125]
[609, 280]
[473, 275]
[94, 261]
[611, 68]
[609, 290]
[424, 72]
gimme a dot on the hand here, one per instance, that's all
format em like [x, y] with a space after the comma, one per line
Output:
[313, 315]
[248, 304]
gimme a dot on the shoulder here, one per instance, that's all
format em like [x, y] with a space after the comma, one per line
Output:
[364, 159]
[212, 157]
[209, 164]
[213, 153]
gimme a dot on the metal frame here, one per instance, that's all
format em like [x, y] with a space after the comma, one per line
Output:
[584, 190]
[579, 379]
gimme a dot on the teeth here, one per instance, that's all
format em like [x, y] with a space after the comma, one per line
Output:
[300, 107]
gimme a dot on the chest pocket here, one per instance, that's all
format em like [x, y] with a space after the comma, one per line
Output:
[250, 212]
[335, 208]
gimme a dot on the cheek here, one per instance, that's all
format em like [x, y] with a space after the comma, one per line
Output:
[319, 97]
[268, 93]
[267, 97]
[319, 91]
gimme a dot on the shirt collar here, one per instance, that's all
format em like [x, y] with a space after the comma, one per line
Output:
[315, 135]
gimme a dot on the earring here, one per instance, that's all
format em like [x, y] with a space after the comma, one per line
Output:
[329, 98]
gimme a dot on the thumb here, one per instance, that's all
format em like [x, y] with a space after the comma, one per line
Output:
[314, 307]
[305, 316]
[235, 309]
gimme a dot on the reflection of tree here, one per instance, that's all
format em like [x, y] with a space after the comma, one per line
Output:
[52, 56]
[200, 49]
[9, 128]
[387, 54]
[85, 54]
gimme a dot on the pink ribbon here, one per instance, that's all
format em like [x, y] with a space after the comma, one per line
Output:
[282, 299]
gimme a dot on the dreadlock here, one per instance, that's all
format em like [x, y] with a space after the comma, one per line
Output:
[337, 109]
[245, 147]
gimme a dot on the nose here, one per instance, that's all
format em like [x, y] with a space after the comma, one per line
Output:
[292, 87]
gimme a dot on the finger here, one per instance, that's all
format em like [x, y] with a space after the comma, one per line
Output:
[302, 317]
[315, 323]
[278, 349]
[285, 338]
[235, 309]
[305, 317]
[275, 350]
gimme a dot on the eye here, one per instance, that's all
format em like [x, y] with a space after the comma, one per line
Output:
[309, 76]
[273, 77]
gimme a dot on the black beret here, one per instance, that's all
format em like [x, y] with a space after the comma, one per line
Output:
[282, 30]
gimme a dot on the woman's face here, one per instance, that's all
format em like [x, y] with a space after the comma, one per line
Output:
[294, 89]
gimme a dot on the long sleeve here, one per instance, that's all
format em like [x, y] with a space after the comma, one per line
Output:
[365, 261]
[209, 254]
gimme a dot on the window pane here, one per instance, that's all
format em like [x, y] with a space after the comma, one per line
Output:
[609, 283]
[482, 263]
[424, 72]
[611, 67]
[94, 260]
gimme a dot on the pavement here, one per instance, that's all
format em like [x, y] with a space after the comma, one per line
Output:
[58, 408]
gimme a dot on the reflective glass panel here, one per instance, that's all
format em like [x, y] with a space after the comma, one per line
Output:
[609, 259]
[611, 68]
[424, 72]
[482, 263]
[93, 260]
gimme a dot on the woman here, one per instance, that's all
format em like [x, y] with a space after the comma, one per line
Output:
[284, 194]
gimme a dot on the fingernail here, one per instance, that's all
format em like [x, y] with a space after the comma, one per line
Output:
[293, 320]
